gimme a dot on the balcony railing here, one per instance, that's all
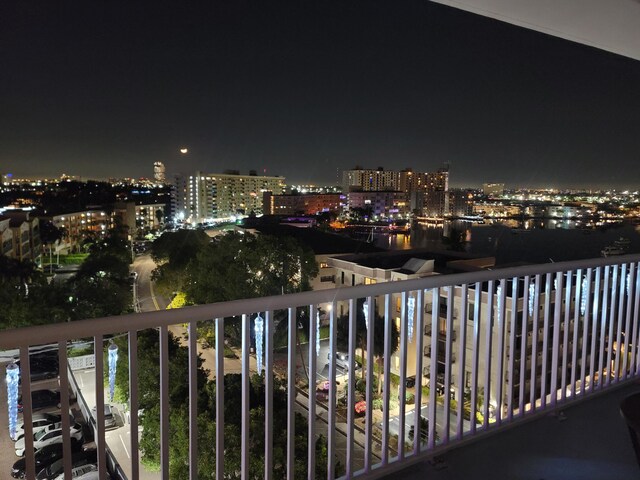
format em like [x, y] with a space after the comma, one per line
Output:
[581, 315]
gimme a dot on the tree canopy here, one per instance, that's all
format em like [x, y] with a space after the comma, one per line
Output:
[235, 266]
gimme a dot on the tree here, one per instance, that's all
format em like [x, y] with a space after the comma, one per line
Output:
[27, 298]
[148, 373]
[235, 266]
[172, 252]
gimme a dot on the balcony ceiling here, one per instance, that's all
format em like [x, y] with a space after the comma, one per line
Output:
[611, 25]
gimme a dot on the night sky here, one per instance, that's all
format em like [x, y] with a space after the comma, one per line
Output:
[304, 89]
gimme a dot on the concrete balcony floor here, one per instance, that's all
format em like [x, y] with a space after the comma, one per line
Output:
[591, 443]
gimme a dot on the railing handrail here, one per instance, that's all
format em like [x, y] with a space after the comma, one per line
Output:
[40, 334]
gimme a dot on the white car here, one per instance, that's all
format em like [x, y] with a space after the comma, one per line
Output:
[85, 472]
[40, 422]
[50, 435]
[90, 475]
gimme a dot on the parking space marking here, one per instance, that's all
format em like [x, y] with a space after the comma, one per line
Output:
[124, 445]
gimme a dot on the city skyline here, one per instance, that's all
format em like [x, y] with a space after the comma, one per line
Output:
[330, 87]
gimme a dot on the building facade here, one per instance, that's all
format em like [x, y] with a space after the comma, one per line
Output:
[426, 192]
[20, 236]
[300, 204]
[225, 195]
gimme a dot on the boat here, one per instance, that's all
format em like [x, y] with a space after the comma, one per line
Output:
[612, 250]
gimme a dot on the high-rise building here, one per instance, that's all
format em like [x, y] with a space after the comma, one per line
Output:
[367, 180]
[159, 172]
[223, 195]
[426, 192]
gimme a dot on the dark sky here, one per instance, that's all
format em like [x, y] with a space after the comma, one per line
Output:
[302, 89]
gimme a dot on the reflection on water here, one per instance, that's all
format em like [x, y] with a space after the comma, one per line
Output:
[513, 241]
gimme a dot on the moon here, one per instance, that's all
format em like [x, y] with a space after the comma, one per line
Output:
[184, 150]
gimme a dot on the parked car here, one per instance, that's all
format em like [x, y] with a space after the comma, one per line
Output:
[42, 365]
[91, 475]
[42, 399]
[109, 416]
[50, 435]
[342, 360]
[40, 422]
[43, 458]
[78, 461]
[84, 471]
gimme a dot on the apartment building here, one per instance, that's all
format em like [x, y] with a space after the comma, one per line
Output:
[301, 203]
[223, 195]
[511, 333]
[20, 235]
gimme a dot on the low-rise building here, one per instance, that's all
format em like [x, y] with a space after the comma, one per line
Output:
[383, 204]
[20, 233]
[300, 203]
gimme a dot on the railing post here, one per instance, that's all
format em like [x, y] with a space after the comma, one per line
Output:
[512, 346]
[311, 450]
[193, 400]
[462, 361]
[164, 402]
[63, 366]
[603, 329]
[368, 445]
[585, 331]
[133, 402]
[500, 376]
[403, 376]
[555, 343]
[268, 429]
[418, 332]
[351, 385]
[447, 365]
[433, 367]
[629, 310]
[27, 411]
[612, 318]
[246, 393]
[99, 435]
[475, 352]
[291, 392]
[331, 432]
[594, 330]
[576, 329]
[388, 318]
[620, 321]
[487, 354]
[219, 325]
[534, 344]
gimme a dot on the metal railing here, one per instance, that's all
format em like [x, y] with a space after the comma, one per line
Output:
[580, 317]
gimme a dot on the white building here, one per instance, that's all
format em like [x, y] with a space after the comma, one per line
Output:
[223, 195]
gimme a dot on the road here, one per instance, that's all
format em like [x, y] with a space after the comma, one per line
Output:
[147, 300]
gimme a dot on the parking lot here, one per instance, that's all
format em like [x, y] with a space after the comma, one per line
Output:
[8, 458]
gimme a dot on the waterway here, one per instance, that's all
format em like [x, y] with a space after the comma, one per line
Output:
[512, 242]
